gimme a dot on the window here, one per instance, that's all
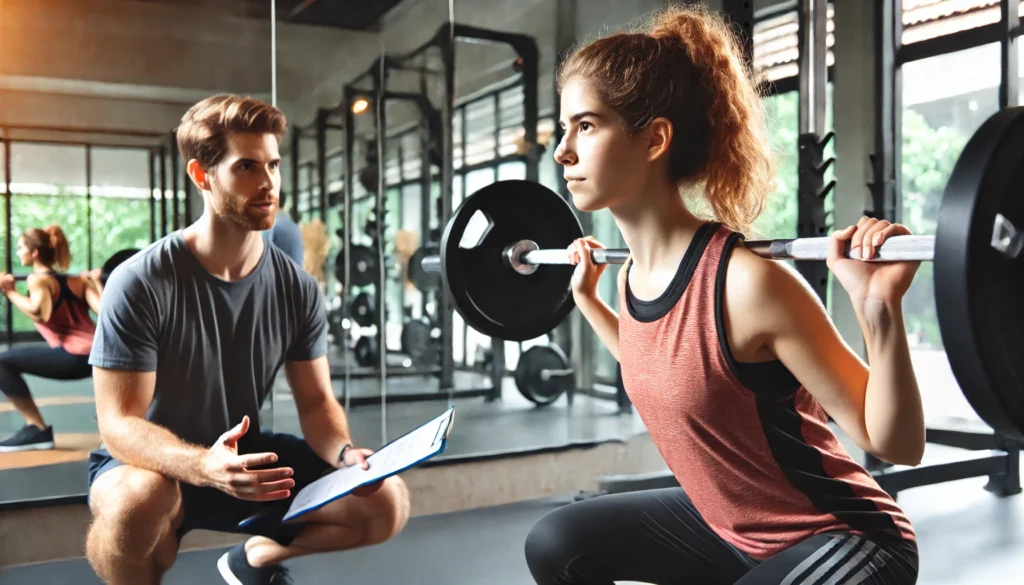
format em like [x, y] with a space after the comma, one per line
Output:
[120, 201]
[945, 99]
[512, 171]
[927, 19]
[1020, 57]
[608, 234]
[3, 206]
[779, 217]
[777, 45]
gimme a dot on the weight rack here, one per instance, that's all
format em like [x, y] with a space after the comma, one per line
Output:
[527, 65]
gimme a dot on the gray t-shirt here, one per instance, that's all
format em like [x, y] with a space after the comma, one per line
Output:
[216, 346]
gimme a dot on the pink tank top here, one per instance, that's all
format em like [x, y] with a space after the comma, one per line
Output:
[70, 325]
[750, 446]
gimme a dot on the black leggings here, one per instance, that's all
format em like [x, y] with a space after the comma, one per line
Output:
[45, 362]
[659, 537]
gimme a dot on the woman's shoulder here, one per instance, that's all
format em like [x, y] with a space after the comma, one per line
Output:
[766, 293]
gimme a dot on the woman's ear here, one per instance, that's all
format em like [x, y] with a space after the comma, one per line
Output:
[660, 138]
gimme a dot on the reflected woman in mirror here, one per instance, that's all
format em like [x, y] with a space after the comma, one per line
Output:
[58, 306]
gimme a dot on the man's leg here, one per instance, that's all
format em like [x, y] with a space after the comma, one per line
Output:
[135, 515]
[350, 522]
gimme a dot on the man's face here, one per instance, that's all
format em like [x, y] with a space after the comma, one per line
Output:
[244, 185]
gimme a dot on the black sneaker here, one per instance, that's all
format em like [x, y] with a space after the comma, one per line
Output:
[29, 438]
[236, 570]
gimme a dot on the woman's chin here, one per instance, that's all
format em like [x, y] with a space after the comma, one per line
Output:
[587, 203]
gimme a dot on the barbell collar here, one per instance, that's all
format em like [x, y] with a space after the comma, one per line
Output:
[546, 374]
[431, 264]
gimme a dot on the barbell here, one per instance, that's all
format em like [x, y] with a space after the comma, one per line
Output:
[115, 260]
[503, 262]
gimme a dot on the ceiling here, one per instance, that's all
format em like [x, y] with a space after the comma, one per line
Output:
[347, 14]
[344, 14]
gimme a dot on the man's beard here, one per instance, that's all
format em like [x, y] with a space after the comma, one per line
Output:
[235, 208]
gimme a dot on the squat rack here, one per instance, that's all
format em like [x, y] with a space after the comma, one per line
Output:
[438, 120]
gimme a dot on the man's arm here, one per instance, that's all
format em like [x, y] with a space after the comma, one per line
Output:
[122, 399]
[321, 418]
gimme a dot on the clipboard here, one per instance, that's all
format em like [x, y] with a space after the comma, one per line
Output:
[405, 452]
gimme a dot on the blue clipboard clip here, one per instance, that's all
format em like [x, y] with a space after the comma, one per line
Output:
[439, 443]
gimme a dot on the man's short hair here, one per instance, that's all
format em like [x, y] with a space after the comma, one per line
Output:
[202, 134]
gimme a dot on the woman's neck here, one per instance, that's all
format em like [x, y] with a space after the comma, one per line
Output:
[657, 227]
[40, 267]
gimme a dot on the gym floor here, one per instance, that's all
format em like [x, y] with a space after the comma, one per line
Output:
[966, 534]
[966, 537]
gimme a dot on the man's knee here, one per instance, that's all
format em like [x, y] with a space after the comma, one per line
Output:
[133, 510]
[389, 511]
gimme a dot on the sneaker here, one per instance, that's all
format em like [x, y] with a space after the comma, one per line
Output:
[236, 570]
[29, 438]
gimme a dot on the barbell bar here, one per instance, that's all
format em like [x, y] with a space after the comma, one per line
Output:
[115, 260]
[510, 279]
[524, 255]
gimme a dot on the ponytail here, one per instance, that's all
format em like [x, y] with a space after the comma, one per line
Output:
[687, 67]
[59, 245]
[51, 245]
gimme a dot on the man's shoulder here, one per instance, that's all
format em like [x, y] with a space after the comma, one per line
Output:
[287, 269]
[149, 265]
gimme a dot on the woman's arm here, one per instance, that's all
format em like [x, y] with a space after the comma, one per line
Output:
[38, 304]
[879, 407]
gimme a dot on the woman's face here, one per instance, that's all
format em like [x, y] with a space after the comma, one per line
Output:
[24, 254]
[603, 166]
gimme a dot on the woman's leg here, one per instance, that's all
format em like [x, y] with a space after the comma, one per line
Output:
[840, 559]
[45, 362]
[654, 536]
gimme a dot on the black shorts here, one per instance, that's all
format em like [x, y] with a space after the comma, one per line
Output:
[212, 509]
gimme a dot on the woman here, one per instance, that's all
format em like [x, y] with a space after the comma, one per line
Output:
[59, 306]
[730, 359]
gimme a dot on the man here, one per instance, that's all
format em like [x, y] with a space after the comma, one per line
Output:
[285, 234]
[191, 335]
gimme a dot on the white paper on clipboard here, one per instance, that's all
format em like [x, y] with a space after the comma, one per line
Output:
[407, 451]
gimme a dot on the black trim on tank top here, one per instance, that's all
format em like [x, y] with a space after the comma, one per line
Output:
[802, 465]
[771, 377]
[650, 311]
[775, 388]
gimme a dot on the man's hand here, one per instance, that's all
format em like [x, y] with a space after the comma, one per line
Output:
[355, 456]
[223, 468]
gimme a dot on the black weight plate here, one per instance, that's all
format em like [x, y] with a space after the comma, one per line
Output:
[424, 281]
[978, 290]
[366, 352]
[493, 298]
[363, 265]
[114, 261]
[418, 342]
[529, 380]
[363, 311]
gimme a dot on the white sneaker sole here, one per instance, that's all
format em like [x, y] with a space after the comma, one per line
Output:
[33, 447]
[225, 571]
